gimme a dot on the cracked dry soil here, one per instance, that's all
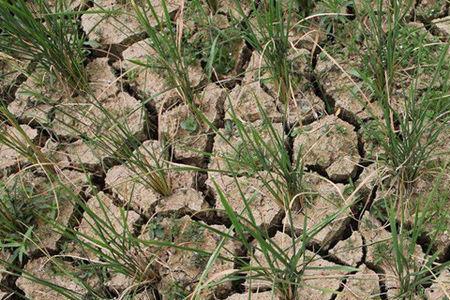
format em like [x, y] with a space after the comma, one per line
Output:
[327, 115]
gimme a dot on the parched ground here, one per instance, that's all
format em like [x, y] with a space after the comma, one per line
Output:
[327, 114]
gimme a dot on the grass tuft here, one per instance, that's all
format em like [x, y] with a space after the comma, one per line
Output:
[48, 36]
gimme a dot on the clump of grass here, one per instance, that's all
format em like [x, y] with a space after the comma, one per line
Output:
[50, 37]
[165, 38]
[267, 31]
[408, 138]
[409, 219]
[152, 165]
[123, 252]
[383, 29]
[263, 151]
[217, 49]
[413, 117]
[20, 206]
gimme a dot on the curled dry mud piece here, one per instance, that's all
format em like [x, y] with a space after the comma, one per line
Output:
[146, 81]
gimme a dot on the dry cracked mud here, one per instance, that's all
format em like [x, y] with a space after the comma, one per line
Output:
[55, 271]
[326, 119]
[331, 145]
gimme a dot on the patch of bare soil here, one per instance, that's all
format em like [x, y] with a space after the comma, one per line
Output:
[111, 22]
[102, 80]
[361, 285]
[443, 25]
[331, 145]
[304, 107]
[259, 198]
[338, 84]
[182, 200]
[73, 154]
[243, 98]
[147, 82]
[350, 250]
